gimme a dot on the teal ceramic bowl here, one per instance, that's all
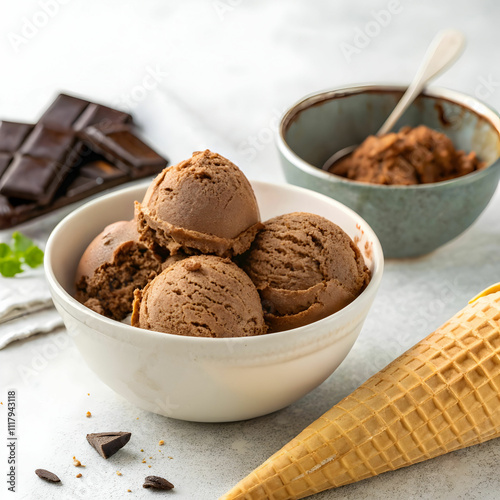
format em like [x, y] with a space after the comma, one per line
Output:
[409, 220]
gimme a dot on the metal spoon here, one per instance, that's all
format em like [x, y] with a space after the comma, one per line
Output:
[443, 51]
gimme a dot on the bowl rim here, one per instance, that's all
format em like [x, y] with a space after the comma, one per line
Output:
[71, 304]
[312, 99]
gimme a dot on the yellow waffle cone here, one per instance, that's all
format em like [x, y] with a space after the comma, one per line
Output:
[441, 395]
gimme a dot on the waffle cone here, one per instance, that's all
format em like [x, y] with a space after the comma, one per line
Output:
[441, 395]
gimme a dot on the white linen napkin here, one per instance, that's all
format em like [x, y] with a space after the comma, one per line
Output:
[44, 321]
[26, 293]
[26, 307]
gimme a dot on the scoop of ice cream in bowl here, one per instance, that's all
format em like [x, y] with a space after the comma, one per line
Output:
[418, 187]
[243, 296]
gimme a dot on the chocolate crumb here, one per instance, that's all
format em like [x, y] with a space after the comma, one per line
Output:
[79, 475]
[130, 491]
[77, 463]
[161, 442]
[88, 414]
[144, 461]
[157, 483]
[190, 265]
[48, 476]
[142, 450]
[118, 473]
[108, 443]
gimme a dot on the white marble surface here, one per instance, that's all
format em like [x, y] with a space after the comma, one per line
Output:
[225, 70]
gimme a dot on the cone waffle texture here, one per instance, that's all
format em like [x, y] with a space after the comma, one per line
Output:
[441, 395]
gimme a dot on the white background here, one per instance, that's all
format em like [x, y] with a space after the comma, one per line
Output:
[225, 70]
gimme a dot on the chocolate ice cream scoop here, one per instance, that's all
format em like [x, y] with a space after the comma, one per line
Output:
[203, 204]
[200, 296]
[112, 266]
[305, 268]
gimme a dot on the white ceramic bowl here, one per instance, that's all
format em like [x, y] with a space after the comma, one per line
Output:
[205, 379]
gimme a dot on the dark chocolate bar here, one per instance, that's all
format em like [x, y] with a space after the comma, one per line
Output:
[77, 149]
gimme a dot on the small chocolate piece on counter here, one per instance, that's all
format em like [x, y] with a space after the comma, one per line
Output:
[158, 483]
[108, 443]
[48, 476]
[77, 149]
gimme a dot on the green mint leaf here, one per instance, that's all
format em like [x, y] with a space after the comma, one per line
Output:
[21, 251]
[9, 267]
[21, 243]
[5, 250]
[33, 256]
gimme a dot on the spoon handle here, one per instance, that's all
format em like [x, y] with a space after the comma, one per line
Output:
[443, 51]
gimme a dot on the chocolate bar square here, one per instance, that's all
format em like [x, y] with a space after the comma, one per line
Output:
[30, 178]
[64, 111]
[12, 135]
[123, 148]
[96, 114]
[45, 142]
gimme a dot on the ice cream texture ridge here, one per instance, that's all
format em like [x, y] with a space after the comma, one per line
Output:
[441, 395]
[171, 265]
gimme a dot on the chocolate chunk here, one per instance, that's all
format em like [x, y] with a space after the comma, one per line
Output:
[12, 135]
[190, 265]
[45, 158]
[108, 443]
[64, 111]
[30, 179]
[96, 114]
[123, 148]
[44, 142]
[48, 476]
[157, 483]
